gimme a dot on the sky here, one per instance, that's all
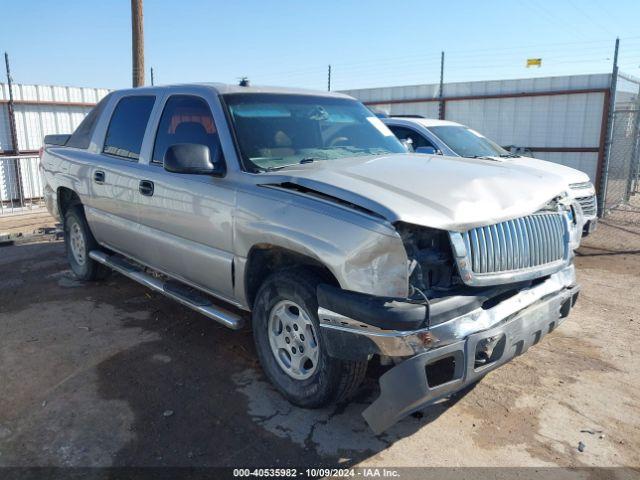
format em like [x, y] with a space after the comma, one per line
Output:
[291, 42]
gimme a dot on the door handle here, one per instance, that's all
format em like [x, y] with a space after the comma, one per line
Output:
[98, 176]
[146, 187]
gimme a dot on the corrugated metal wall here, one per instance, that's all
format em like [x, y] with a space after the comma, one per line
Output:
[42, 110]
[39, 110]
[536, 121]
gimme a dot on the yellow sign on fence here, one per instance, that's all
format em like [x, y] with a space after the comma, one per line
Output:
[534, 62]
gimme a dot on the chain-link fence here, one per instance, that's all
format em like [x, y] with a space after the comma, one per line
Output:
[620, 187]
[619, 232]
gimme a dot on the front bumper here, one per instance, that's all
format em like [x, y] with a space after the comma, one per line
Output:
[465, 348]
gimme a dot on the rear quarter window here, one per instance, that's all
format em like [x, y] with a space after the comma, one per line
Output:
[127, 126]
[81, 138]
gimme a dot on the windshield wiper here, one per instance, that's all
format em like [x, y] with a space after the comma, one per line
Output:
[481, 157]
[509, 155]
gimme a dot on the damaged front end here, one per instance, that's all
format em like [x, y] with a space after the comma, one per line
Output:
[477, 298]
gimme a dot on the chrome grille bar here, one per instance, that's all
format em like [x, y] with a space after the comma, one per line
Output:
[520, 244]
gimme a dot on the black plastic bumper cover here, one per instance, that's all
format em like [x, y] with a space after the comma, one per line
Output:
[407, 387]
[382, 312]
[390, 313]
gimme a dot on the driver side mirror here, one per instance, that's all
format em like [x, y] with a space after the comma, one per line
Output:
[193, 158]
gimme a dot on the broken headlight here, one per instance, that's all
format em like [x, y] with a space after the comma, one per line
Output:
[431, 266]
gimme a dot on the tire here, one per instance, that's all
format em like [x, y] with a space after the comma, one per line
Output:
[288, 298]
[79, 241]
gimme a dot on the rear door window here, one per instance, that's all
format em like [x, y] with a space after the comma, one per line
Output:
[185, 119]
[127, 126]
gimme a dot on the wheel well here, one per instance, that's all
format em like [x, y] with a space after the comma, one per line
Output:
[67, 198]
[263, 260]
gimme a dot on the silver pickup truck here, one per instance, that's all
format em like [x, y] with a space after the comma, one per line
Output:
[303, 209]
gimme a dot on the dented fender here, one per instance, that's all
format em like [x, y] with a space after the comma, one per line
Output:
[364, 252]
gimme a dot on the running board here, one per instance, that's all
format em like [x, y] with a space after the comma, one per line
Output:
[171, 288]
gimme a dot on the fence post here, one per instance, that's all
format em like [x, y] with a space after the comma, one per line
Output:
[12, 117]
[441, 89]
[632, 184]
[609, 133]
[13, 130]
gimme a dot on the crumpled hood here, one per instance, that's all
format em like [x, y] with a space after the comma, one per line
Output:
[450, 193]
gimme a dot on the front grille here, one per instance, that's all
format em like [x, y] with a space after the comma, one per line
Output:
[588, 205]
[524, 243]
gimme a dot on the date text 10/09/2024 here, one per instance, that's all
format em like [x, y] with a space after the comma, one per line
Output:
[317, 472]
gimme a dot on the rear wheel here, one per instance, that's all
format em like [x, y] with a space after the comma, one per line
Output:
[287, 336]
[79, 241]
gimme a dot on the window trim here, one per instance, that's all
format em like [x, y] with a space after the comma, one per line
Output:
[106, 131]
[154, 163]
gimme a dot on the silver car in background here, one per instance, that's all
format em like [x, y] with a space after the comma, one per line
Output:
[448, 138]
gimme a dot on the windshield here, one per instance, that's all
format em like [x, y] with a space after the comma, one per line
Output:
[466, 142]
[274, 131]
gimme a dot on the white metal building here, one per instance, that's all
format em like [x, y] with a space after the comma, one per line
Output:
[561, 119]
[42, 110]
[39, 110]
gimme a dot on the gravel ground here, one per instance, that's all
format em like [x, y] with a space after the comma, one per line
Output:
[112, 374]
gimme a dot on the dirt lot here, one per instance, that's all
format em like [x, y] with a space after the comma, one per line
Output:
[37, 222]
[112, 374]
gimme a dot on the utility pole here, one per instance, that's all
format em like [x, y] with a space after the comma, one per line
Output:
[441, 89]
[137, 43]
[13, 130]
[329, 79]
[604, 177]
[152, 83]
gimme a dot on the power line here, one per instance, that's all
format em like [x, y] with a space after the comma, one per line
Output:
[583, 12]
[454, 63]
[545, 47]
[453, 60]
[406, 69]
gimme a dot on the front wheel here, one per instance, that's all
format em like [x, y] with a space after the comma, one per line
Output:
[287, 336]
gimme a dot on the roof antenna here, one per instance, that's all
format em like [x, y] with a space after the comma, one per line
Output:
[244, 82]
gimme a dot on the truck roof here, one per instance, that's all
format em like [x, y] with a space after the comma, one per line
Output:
[225, 88]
